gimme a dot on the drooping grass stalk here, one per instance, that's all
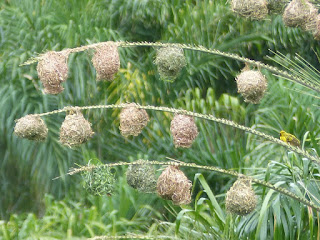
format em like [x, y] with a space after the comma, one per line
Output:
[199, 48]
[198, 115]
[210, 168]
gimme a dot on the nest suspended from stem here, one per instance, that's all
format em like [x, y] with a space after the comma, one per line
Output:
[75, 129]
[184, 130]
[254, 9]
[174, 185]
[241, 199]
[299, 13]
[170, 61]
[31, 127]
[106, 61]
[142, 177]
[252, 85]
[52, 71]
[99, 181]
[132, 120]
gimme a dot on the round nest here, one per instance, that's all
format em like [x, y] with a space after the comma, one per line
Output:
[299, 13]
[99, 181]
[132, 120]
[316, 31]
[31, 127]
[241, 199]
[254, 9]
[75, 130]
[314, 27]
[252, 85]
[106, 61]
[184, 130]
[170, 61]
[142, 177]
[174, 185]
[277, 6]
[52, 71]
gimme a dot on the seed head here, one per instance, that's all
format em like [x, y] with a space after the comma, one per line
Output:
[170, 61]
[106, 61]
[142, 177]
[132, 120]
[174, 185]
[75, 130]
[53, 70]
[252, 85]
[241, 199]
[31, 127]
[184, 130]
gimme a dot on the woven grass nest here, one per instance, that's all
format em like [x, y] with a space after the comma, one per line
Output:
[254, 9]
[241, 199]
[132, 120]
[31, 127]
[184, 130]
[52, 71]
[106, 61]
[99, 181]
[174, 185]
[277, 6]
[314, 27]
[169, 61]
[75, 129]
[252, 85]
[299, 13]
[142, 177]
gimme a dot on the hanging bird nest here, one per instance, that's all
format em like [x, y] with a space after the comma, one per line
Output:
[132, 120]
[174, 185]
[254, 9]
[31, 127]
[142, 177]
[241, 199]
[184, 130]
[169, 61]
[252, 85]
[75, 129]
[277, 6]
[106, 61]
[99, 181]
[314, 27]
[299, 13]
[52, 71]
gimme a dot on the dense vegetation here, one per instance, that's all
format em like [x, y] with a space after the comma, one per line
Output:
[35, 206]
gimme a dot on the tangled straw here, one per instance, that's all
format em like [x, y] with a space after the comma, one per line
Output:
[198, 115]
[210, 168]
[199, 48]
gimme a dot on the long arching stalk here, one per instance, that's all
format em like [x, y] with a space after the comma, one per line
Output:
[210, 168]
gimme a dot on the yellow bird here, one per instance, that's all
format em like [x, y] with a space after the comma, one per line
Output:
[289, 138]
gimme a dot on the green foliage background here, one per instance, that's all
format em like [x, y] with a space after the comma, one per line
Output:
[206, 85]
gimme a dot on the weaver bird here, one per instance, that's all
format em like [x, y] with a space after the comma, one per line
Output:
[289, 138]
